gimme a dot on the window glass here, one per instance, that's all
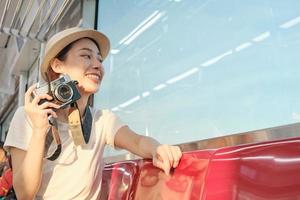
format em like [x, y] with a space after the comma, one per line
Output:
[188, 70]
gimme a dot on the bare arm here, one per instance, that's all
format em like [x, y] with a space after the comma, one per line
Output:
[27, 165]
[27, 168]
[164, 156]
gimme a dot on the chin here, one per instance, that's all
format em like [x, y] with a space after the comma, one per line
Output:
[89, 89]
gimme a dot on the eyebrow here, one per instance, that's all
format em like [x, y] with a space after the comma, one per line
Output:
[88, 49]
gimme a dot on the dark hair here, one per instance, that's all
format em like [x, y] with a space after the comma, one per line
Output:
[63, 53]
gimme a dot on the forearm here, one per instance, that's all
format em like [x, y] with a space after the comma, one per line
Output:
[164, 156]
[28, 177]
[147, 146]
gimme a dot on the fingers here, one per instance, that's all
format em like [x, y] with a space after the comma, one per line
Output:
[28, 93]
[160, 165]
[51, 112]
[39, 109]
[46, 107]
[161, 160]
[38, 98]
[168, 156]
[176, 153]
[49, 105]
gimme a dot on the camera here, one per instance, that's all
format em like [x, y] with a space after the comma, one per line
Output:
[63, 90]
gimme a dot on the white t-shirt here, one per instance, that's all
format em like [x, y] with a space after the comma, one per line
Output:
[77, 172]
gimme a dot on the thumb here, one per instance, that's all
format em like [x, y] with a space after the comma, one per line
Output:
[161, 165]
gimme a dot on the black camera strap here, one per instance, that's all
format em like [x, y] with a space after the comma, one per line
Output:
[52, 132]
[53, 135]
[75, 125]
[87, 124]
[81, 132]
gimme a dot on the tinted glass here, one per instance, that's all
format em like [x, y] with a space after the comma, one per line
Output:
[189, 70]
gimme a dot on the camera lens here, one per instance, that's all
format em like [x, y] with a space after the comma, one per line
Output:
[63, 92]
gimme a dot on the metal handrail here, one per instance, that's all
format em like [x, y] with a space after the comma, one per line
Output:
[258, 136]
[263, 135]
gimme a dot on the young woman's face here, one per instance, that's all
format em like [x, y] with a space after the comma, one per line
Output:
[84, 64]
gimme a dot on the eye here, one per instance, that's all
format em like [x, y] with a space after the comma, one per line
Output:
[100, 60]
[86, 56]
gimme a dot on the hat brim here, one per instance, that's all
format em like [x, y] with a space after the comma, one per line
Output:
[57, 44]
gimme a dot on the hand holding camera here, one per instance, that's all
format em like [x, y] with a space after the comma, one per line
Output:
[63, 91]
[47, 98]
[38, 113]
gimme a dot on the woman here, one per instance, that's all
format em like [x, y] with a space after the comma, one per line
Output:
[76, 173]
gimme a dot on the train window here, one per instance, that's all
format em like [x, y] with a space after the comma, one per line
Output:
[189, 70]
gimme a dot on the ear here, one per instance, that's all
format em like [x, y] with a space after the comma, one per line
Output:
[56, 65]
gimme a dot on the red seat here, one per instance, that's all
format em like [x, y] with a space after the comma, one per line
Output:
[118, 180]
[261, 171]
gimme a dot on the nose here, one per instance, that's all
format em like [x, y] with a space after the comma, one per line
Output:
[97, 64]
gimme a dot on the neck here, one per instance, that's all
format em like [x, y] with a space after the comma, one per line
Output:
[82, 103]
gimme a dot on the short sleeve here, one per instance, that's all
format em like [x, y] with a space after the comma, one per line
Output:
[19, 132]
[112, 125]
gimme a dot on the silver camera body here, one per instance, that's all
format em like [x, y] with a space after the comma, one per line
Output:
[63, 90]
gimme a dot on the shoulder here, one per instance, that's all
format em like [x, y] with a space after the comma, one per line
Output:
[20, 112]
[107, 112]
[103, 113]
[20, 131]
[107, 118]
[20, 115]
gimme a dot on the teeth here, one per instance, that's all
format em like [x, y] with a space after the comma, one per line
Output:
[93, 76]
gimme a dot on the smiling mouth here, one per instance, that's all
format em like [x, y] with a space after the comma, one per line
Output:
[93, 77]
